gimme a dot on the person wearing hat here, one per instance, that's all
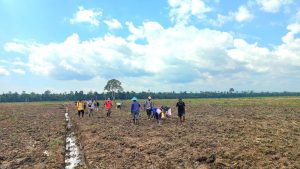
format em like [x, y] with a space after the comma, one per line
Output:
[135, 110]
[148, 107]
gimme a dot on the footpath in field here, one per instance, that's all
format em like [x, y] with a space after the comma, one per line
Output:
[218, 133]
[73, 156]
[32, 135]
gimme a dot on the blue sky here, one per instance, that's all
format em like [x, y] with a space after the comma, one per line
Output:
[157, 45]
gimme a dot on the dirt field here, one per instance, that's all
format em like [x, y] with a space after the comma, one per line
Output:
[31, 135]
[218, 133]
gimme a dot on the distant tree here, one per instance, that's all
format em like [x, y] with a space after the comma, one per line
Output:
[113, 86]
[231, 90]
[47, 92]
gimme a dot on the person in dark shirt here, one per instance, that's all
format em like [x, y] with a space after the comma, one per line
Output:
[135, 110]
[181, 110]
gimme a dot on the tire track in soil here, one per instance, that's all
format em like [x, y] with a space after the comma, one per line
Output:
[74, 157]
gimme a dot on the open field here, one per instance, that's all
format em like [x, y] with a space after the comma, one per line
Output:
[31, 135]
[218, 133]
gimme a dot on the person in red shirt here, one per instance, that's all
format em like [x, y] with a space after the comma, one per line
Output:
[108, 104]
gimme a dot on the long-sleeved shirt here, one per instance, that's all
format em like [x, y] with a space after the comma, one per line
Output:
[135, 107]
[148, 104]
[91, 104]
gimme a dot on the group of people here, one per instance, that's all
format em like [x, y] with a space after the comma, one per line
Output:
[81, 107]
[158, 113]
[90, 106]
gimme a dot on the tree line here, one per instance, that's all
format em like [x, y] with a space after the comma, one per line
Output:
[124, 95]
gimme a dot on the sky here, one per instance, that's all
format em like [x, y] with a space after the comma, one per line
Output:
[157, 45]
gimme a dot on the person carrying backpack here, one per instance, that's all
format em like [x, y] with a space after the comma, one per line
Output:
[108, 104]
[148, 107]
[181, 110]
[135, 110]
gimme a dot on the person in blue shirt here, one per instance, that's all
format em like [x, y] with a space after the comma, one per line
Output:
[135, 110]
[157, 114]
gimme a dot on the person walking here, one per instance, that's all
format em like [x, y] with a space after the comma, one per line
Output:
[80, 108]
[91, 105]
[135, 110]
[148, 107]
[181, 110]
[108, 104]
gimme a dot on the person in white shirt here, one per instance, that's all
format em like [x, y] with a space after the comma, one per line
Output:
[91, 106]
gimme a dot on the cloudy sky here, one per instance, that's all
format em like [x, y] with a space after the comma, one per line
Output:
[157, 45]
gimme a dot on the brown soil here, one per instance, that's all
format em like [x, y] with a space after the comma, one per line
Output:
[218, 133]
[31, 135]
[260, 133]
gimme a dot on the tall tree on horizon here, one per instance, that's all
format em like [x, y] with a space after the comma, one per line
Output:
[113, 86]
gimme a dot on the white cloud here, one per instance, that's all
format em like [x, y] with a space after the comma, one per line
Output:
[254, 58]
[16, 47]
[4, 71]
[293, 30]
[242, 15]
[18, 71]
[148, 29]
[176, 55]
[289, 52]
[113, 24]
[182, 10]
[90, 16]
[272, 6]
[221, 20]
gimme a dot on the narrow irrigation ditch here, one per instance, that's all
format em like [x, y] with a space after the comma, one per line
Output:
[73, 155]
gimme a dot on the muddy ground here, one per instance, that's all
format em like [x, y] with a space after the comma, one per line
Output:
[218, 133]
[31, 135]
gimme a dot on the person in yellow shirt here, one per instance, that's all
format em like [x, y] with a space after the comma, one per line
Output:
[80, 108]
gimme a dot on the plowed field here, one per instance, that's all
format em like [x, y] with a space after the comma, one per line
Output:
[218, 133]
[31, 135]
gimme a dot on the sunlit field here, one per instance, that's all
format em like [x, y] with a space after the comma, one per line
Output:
[217, 133]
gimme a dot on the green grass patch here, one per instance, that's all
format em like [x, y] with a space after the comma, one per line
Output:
[55, 143]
